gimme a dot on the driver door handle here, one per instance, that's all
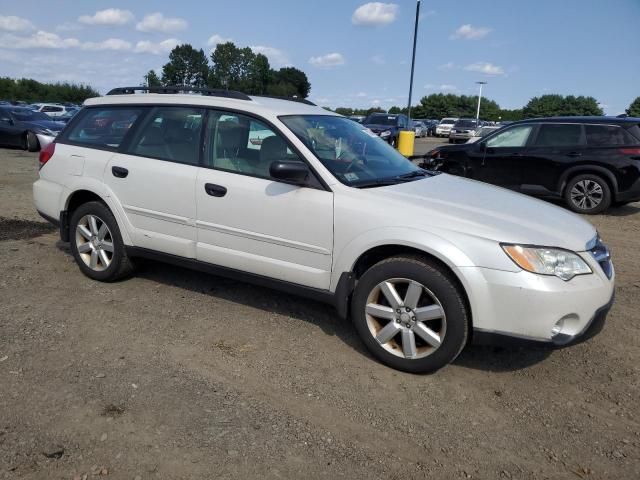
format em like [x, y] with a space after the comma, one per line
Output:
[119, 172]
[215, 190]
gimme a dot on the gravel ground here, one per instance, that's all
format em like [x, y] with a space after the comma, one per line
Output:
[177, 374]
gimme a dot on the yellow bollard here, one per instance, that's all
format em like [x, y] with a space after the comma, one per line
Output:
[406, 140]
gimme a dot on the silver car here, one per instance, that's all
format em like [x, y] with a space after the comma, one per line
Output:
[463, 130]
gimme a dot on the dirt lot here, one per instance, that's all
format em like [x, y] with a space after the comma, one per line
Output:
[176, 374]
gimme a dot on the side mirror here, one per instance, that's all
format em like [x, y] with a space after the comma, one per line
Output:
[289, 171]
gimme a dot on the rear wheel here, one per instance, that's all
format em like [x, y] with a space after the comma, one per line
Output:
[96, 243]
[31, 142]
[589, 194]
[410, 314]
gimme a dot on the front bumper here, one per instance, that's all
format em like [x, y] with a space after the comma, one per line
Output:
[460, 136]
[442, 132]
[527, 306]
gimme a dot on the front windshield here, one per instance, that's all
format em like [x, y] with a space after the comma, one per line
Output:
[353, 154]
[465, 124]
[381, 120]
[27, 115]
[447, 122]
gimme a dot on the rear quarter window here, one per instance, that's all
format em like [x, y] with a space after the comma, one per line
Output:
[103, 127]
[607, 135]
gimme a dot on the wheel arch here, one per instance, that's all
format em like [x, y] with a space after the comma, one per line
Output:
[598, 170]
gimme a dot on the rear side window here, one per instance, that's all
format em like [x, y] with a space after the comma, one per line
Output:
[170, 133]
[103, 127]
[605, 135]
[559, 135]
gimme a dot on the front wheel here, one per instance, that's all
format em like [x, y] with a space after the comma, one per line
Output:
[31, 142]
[410, 314]
[588, 194]
[96, 243]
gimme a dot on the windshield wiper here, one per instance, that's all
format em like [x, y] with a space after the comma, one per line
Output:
[410, 175]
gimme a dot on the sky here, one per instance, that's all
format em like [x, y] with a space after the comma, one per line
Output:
[355, 53]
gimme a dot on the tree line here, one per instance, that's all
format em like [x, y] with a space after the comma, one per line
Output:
[440, 105]
[29, 91]
[229, 67]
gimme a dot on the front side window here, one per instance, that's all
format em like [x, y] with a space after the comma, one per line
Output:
[26, 115]
[170, 133]
[513, 137]
[559, 135]
[103, 127]
[352, 153]
[241, 144]
[607, 135]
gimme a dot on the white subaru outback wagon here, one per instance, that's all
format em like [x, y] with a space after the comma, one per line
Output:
[288, 195]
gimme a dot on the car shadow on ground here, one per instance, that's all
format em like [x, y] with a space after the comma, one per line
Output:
[623, 210]
[323, 316]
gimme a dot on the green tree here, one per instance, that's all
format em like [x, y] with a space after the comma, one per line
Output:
[151, 79]
[297, 78]
[634, 108]
[347, 112]
[187, 66]
[556, 105]
[30, 90]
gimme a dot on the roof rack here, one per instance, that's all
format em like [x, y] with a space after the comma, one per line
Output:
[291, 99]
[213, 92]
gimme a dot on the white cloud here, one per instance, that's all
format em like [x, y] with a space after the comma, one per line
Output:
[110, 16]
[469, 32]
[378, 60]
[15, 24]
[445, 87]
[109, 44]
[275, 56]
[145, 46]
[429, 86]
[375, 13]
[69, 27]
[447, 66]
[40, 39]
[216, 39]
[328, 60]
[157, 22]
[485, 68]
[361, 95]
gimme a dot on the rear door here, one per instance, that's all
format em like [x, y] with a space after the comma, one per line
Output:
[153, 179]
[10, 134]
[499, 159]
[556, 147]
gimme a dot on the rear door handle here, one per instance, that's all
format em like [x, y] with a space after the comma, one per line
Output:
[215, 190]
[574, 154]
[119, 172]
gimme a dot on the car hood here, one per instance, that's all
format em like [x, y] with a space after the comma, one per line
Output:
[44, 124]
[374, 127]
[456, 204]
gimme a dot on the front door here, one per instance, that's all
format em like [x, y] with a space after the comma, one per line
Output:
[249, 222]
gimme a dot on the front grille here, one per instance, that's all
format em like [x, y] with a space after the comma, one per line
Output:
[600, 253]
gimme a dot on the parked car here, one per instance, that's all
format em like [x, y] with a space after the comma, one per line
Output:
[431, 128]
[69, 114]
[53, 109]
[588, 162]
[420, 128]
[357, 118]
[443, 129]
[386, 126]
[422, 262]
[483, 132]
[463, 130]
[25, 128]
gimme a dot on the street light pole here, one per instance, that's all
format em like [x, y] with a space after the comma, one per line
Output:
[479, 100]
[413, 58]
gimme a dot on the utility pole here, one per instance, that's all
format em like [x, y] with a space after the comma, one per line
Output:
[479, 100]
[413, 58]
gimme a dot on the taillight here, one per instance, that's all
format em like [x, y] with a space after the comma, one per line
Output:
[630, 151]
[46, 153]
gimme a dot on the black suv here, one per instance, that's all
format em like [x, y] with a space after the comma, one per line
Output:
[590, 162]
[387, 126]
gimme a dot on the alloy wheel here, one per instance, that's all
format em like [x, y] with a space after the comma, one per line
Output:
[405, 318]
[94, 242]
[587, 194]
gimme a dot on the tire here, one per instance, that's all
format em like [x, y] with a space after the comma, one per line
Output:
[31, 142]
[588, 194]
[441, 304]
[118, 264]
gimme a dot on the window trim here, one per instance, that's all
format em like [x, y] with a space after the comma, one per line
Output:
[63, 137]
[322, 185]
[123, 149]
[582, 142]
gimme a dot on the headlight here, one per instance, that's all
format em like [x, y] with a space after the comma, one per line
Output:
[386, 133]
[547, 261]
[453, 131]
